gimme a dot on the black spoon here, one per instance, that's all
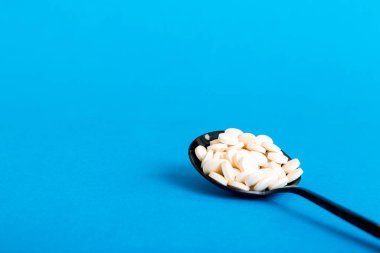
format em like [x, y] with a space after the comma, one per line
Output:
[353, 218]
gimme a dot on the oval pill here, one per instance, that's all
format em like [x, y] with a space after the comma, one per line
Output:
[277, 168]
[212, 165]
[294, 175]
[248, 163]
[228, 171]
[216, 141]
[291, 165]
[269, 172]
[263, 138]
[208, 156]
[239, 145]
[254, 147]
[238, 185]
[230, 155]
[228, 139]
[200, 152]
[247, 138]
[277, 157]
[233, 131]
[236, 171]
[238, 155]
[217, 147]
[270, 147]
[217, 155]
[280, 172]
[279, 183]
[219, 178]
[240, 177]
[264, 183]
[253, 178]
[259, 157]
[275, 165]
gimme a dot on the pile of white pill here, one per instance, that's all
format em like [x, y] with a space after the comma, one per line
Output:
[247, 162]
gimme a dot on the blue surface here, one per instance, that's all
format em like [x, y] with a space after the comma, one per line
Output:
[99, 101]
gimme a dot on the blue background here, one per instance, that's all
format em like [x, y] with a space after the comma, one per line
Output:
[99, 101]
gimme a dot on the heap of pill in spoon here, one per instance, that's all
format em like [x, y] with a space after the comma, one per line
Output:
[247, 162]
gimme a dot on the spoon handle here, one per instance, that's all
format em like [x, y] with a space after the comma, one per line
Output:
[353, 218]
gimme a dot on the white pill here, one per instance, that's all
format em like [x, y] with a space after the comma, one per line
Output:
[291, 165]
[228, 171]
[263, 138]
[238, 185]
[279, 183]
[233, 131]
[295, 174]
[248, 163]
[269, 172]
[208, 156]
[275, 165]
[212, 165]
[240, 177]
[264, 183]
[219, 178]
[216, 141]
[247, 138]
[217, 155]
[200, 152]
[239, 145]
[254, 177]
[254, 147]
[277, 157]
[238, 155]
[230, 155]
[207, 137]
[270, 147]
[228, 139]
[217, 147]
[260, 158]
[280, 172]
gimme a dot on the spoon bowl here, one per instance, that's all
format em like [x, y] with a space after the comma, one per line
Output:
[204, 140]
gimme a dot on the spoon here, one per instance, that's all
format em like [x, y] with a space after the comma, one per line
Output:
[353, 218]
